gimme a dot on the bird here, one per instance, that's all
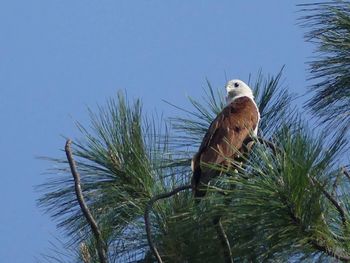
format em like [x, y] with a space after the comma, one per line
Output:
[225, 138]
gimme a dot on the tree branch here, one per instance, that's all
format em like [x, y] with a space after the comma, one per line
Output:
[314, 243]
[147, 219]
[249, 143]
[335, 186]
[329, 196]
[270, 144]
[324, 249]
[101, 246]
[340, 209]
[346, 172]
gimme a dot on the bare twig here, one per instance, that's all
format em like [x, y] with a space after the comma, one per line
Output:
[147, 220]
[101, 246]
[225, 243]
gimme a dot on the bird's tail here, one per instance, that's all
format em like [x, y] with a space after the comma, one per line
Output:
[198, 188]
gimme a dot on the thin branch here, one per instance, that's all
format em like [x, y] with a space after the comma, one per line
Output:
[340, 209]
[225, 243]
[346, 172]
[249, 143]
[329, 196]
[101, 247]
[85, 254]
[324, 249]
[335, 186]
[270, 144]
[314, 243]
[217, 222]
[147, 219]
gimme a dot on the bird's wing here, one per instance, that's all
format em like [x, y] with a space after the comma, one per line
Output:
[207, 139]
[224, 138]
[228, 131]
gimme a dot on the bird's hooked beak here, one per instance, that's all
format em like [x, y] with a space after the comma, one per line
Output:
[230, 93]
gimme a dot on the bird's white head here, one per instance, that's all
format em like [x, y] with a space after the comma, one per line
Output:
[237, 88]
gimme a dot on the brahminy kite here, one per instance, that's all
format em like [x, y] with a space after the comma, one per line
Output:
[225, 138]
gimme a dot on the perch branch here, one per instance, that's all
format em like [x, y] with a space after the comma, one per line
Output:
[147, 219]
[101, 247]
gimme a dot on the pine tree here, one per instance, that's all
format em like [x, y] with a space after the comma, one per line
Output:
[289, 201]
[329, 26]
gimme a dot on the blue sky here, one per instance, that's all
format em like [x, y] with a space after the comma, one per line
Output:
[58, 57]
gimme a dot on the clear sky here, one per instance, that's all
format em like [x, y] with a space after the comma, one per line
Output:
[57, 57]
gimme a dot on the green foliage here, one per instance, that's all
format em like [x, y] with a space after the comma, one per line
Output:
[282, 210]
[287, 203]
[273, 209]
[273, 100]
[120, 166]
[328, 27]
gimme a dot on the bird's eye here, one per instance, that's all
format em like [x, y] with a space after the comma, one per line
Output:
[236, 85]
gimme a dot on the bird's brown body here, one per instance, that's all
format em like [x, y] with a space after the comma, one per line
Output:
[223, 141]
